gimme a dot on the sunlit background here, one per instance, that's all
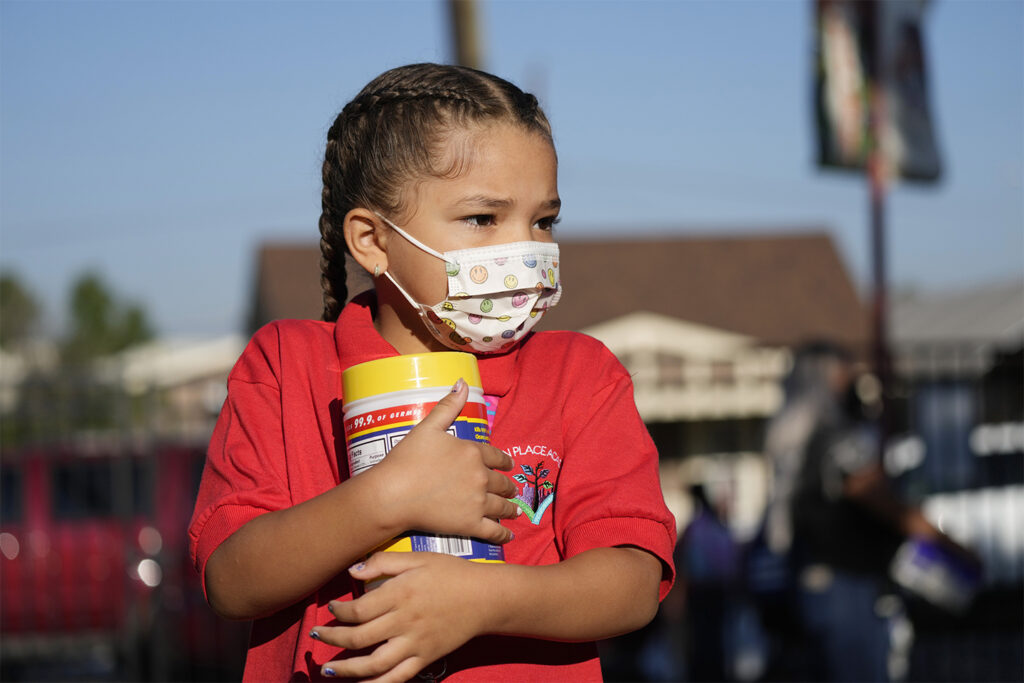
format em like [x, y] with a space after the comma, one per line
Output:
[160, 181]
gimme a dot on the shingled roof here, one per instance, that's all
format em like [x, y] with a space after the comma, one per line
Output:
[287, 283]
[779, 289]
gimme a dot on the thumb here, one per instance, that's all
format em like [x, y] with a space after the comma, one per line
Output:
[448, 408]
[384, 565]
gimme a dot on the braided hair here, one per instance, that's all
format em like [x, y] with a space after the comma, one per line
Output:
[390, 134]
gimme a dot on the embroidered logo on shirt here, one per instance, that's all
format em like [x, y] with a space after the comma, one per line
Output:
[538, 490]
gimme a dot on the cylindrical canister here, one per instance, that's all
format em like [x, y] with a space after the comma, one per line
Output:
[382, 400]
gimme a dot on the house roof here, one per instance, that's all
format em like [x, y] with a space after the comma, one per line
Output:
[957, 332]
[288, 283]
[779, 289]
[991, 314]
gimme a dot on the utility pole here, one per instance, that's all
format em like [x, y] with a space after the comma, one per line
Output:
[465, 33]
[878, 172]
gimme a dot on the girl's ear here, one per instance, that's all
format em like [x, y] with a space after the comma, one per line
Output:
[366, 240]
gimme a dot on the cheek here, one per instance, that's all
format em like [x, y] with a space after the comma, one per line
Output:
[423, 276]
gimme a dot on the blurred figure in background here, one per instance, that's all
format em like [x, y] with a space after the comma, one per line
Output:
[834, 516]
[703, 604]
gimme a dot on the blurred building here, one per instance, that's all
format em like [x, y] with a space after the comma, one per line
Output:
[181, 383]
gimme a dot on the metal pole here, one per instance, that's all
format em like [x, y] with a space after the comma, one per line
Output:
[877, 181]
[464, 32]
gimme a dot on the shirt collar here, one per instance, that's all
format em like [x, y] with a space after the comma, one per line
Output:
[357, 341]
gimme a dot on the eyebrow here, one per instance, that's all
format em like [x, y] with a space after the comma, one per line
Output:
[502, 202]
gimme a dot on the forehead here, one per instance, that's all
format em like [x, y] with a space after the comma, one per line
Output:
[499, 160]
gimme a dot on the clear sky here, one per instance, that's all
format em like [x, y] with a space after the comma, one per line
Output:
[161, 142]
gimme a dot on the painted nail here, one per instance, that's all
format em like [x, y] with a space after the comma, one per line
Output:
[458, 386]
[314, 635]
[511, 535]
[329, 672]
[357, 567]
[330, 607]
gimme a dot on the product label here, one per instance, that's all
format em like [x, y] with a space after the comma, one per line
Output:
[371, 435]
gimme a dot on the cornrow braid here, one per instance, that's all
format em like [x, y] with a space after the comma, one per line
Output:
[332, 261]
[378, 98]
[389, 134]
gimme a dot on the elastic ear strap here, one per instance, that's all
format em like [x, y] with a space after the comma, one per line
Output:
[412, 302]
[420, 309]
[412, 239]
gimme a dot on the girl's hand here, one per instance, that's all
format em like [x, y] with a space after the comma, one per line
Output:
[432, 605]
[438, 483]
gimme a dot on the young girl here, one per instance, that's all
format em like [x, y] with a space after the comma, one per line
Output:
[431, 165]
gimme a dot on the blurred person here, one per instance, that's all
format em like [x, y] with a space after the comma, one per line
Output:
[834, 515]
[702, 607]
[434, 172]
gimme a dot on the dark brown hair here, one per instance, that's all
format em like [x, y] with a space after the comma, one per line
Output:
[390, 134]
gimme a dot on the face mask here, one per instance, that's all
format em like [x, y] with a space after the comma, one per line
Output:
[495, 294]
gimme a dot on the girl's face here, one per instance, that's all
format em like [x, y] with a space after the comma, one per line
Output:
[506, 191]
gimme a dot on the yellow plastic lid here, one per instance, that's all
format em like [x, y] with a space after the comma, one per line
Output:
[414, 371]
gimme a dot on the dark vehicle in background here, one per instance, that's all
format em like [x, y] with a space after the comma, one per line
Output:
[95, 579]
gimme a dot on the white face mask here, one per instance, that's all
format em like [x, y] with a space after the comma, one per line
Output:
[495, 294]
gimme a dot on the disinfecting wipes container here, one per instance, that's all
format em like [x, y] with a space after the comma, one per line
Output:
[384, 399]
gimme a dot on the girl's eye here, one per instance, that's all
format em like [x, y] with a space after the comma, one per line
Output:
[548, 223]
[484, 220]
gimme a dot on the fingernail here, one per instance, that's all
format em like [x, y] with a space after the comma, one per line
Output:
[511, 535]
[329, 672]
[519, 511]
[330, 607]
[314, 635]
[357, 567]
[458, 386]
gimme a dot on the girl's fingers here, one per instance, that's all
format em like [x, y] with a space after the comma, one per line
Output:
[447, 409]
[354, 637]
[491, 532]
[500, 485]
[498, 507]
[379, 564]
[382, 662]
[497, 459]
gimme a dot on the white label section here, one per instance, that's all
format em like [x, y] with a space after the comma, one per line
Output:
[366, 454]
[450, 545]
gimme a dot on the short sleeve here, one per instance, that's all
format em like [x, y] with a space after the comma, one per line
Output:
[245, 474]
[609, 486]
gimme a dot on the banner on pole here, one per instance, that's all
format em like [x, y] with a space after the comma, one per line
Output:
[864, 49]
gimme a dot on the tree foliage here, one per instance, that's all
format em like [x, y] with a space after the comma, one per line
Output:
[99, 324]
[19, 311]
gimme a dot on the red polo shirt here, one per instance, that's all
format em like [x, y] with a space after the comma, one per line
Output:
[564, 412]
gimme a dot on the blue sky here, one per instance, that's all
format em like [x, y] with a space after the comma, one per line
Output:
[160, 143]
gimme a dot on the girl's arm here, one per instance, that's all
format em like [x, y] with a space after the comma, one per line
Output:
[436, 603]
[282, 556]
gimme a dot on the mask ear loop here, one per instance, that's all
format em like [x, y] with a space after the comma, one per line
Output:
[412, 239]
[420, 309]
